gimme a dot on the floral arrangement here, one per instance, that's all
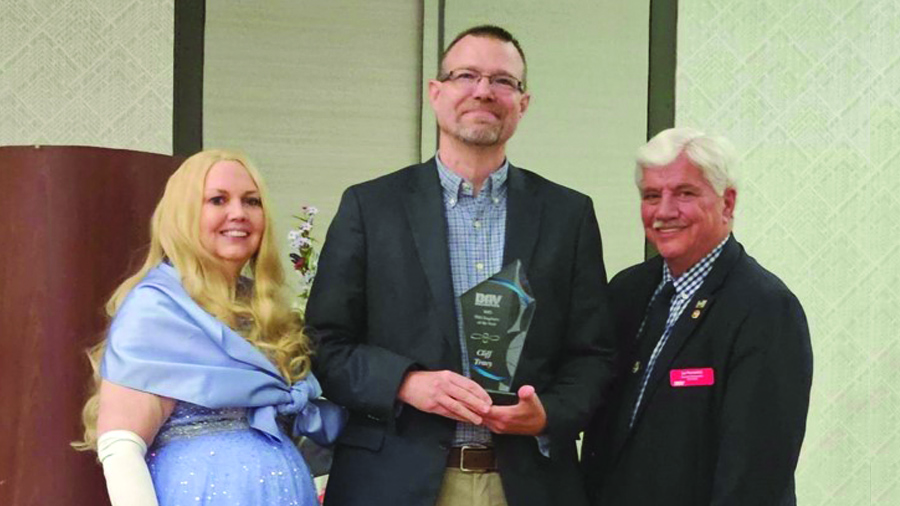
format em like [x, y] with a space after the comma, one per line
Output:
[303, 254]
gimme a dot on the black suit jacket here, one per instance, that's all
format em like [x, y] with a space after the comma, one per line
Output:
[383, 303]
[735, 442]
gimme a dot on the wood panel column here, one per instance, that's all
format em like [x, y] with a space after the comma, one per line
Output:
[74, 221]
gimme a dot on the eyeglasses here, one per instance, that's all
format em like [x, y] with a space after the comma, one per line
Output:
[499, 83]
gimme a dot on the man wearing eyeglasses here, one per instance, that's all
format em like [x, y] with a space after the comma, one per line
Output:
[384, 309]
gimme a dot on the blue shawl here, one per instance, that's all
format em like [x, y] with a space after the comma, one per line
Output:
[162, 342]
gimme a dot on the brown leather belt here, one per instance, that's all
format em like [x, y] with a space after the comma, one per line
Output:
[472, 459]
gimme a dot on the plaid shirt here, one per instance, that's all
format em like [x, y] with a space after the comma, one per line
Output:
[685, 287]
[476, 231]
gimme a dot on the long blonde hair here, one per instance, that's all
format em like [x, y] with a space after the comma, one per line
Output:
[262, 315]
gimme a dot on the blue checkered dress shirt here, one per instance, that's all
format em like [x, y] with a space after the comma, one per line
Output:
[476, 231]
[685, 287]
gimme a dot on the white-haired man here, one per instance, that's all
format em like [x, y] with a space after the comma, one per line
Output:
[715, 359]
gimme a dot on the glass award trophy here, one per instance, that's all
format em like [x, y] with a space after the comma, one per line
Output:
[496, 314]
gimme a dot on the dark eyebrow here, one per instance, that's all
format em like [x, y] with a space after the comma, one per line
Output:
[497, 74]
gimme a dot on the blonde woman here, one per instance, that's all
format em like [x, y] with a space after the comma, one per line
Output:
[203, 370]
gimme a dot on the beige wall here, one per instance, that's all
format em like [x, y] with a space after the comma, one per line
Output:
[88, 73]
[321, 95]
[808, 90]
[327, 94]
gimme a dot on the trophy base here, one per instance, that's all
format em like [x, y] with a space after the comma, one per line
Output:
[503, 398]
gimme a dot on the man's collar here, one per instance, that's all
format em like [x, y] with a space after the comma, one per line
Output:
[699, 269]
[453, 184]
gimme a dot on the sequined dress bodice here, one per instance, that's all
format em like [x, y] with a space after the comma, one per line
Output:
[212, 457]
[189, 420]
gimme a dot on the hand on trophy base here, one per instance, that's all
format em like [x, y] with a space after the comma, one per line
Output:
[527, 417]
[445, 393]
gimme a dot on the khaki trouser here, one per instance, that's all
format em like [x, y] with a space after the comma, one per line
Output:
[471, 489]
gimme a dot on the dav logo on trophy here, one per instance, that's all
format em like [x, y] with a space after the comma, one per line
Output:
[496, 315]
[487, 299]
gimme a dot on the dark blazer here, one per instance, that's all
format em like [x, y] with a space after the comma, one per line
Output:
[735, 442]
[383, 303]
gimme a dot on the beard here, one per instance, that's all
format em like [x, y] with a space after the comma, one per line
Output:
[478, 135]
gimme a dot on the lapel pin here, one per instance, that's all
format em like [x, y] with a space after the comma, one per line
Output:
[701, 303]
[636, 367]
[695, 314]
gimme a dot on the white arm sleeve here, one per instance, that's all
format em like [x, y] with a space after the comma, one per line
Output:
[127, 478]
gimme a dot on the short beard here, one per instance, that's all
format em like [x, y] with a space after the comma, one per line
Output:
[478, 135]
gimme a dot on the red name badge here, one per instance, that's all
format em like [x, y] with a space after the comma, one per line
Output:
[703, 377]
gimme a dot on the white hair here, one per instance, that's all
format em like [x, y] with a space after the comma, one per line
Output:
[713, 155]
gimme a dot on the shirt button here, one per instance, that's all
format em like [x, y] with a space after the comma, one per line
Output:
[477, 224]
[452, 202]
[496, 200]
[479, 266]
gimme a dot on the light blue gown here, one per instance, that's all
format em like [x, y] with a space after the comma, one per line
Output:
[212, 457]
[226, 442]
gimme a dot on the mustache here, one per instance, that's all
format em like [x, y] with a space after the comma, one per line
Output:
[481, 107]
[658, 224]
